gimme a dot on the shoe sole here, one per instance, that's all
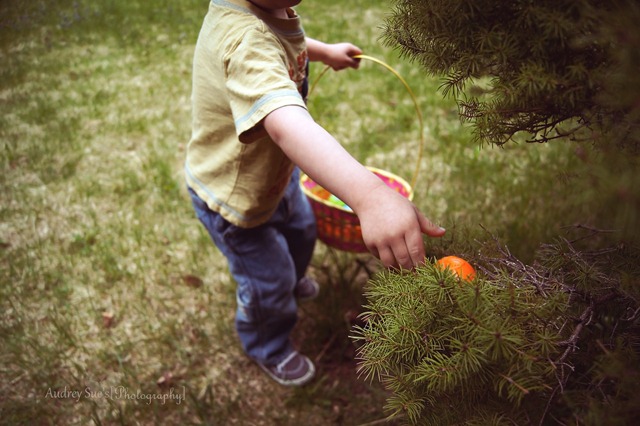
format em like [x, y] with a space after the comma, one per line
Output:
[295, 382]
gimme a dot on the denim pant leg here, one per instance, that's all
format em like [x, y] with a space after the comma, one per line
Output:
[295, 219]
[266, 262]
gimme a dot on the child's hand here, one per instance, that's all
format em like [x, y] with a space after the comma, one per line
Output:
[392, 228]
[341, 56]
[338, 56]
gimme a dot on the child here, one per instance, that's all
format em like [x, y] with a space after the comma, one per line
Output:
[251, 130]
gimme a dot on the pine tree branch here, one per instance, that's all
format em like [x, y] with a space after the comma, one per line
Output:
[592, 232]
[515, 266]
[631, 317]
[522, 389]
[583, 321]
[548, 406]
[572, 341]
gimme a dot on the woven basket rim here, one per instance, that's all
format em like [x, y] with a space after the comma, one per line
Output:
[304, 177]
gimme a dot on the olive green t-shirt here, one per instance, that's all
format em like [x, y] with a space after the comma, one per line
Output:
[246, 65]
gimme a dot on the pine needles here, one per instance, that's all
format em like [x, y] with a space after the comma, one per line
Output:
[473, 342]
[516, 343]
[558, 69]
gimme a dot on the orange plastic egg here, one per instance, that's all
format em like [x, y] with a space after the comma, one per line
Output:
[458, 266]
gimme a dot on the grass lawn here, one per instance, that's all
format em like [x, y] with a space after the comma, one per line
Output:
[112, 295]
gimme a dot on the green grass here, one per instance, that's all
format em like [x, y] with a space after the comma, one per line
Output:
[107, 278]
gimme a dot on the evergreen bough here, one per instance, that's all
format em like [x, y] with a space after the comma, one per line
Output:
[545, 68]
[554, 342]
[447, 349]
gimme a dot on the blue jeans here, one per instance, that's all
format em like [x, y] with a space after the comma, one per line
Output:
[266, 262]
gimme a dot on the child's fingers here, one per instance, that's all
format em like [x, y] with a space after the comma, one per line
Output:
[428, 227]
[404, 257]
[409, 252]
[415, 249]
[406, 253]
[386, 256]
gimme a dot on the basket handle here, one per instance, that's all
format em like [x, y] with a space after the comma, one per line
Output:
[409, 91]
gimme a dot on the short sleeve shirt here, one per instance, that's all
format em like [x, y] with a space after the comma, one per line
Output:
[246, 65]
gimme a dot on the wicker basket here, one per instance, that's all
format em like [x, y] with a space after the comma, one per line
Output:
[338, 226]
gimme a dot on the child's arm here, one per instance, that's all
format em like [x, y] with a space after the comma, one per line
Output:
[338, 56]
[391, 225]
